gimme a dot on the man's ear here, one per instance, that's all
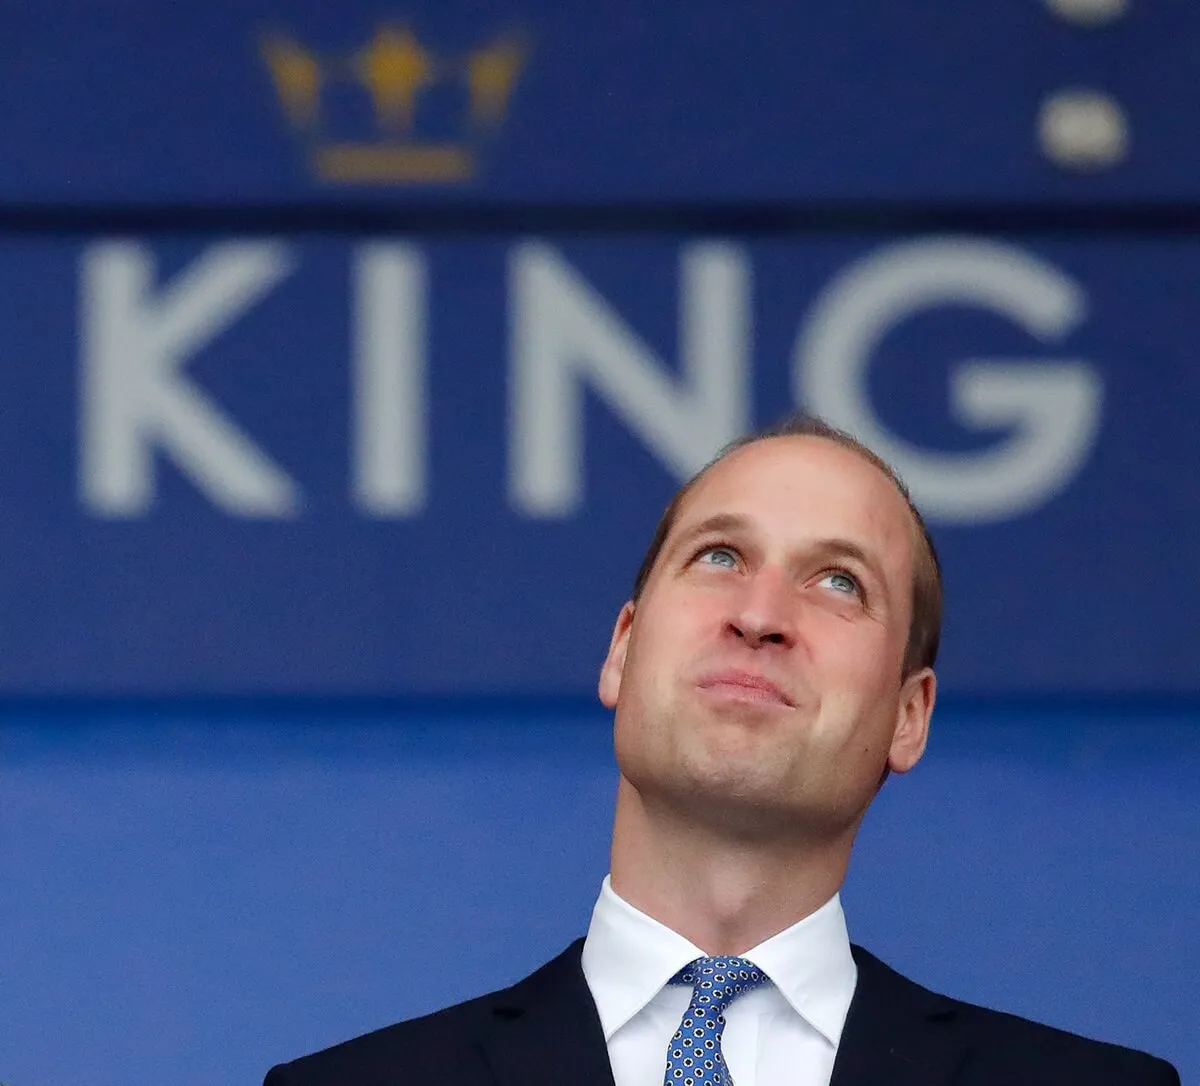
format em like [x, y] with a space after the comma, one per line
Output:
[614, 663]
[917, 694]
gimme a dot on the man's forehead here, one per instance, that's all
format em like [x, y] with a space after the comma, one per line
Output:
[807, 481]
[815, 467]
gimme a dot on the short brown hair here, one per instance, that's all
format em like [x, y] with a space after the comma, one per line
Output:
[925, 627]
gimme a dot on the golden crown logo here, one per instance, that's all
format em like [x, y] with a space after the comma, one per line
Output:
[394, 111]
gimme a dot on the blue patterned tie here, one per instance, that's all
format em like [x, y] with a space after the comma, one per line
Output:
[694, 1056]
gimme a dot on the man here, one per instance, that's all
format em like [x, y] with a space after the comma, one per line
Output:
[774, 664]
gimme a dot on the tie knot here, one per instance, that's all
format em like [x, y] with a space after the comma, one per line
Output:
[717, 982]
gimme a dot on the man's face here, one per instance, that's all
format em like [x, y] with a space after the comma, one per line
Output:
[757, 681]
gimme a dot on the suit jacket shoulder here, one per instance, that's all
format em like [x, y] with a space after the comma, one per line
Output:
[543, 1031]
[899, 1028]
[429, 1049]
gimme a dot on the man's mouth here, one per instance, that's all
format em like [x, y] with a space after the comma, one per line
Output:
[742, 684]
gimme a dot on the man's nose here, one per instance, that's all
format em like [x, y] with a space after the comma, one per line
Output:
[762, 612]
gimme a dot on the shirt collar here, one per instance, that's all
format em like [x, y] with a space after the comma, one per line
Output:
[628, 957]
[811, 965]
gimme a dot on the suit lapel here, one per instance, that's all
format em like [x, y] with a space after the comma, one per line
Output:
[897, 1033]
[544, 1031]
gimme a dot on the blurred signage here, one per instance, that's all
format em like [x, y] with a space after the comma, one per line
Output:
[380, 465]
[251, 103]
[564, 340]
[394, 110]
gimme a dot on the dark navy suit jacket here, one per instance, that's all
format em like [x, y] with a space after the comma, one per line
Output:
[544, 1031]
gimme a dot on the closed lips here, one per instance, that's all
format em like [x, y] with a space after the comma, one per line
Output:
[747, 681]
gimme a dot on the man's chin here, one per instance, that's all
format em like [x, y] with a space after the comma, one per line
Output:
[735, 774]
[749, 739]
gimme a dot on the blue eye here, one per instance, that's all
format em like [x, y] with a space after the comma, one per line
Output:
[718, 556]
[841, 582]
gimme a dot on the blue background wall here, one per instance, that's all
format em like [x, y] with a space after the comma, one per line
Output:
[330, 441]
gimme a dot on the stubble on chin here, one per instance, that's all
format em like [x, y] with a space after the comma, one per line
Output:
[702, 767]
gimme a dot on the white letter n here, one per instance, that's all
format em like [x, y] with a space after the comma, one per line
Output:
[564, 333]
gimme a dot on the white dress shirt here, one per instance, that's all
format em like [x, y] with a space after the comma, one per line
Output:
[785, 1032]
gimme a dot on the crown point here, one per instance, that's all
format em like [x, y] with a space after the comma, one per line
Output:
[395, 68]
[297, 77]
[491, 75]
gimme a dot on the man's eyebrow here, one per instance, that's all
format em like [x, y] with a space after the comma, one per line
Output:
[717, 523]
[844, 548]
[847, 548]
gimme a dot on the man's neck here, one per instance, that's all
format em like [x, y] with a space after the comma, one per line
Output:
[725, 893]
